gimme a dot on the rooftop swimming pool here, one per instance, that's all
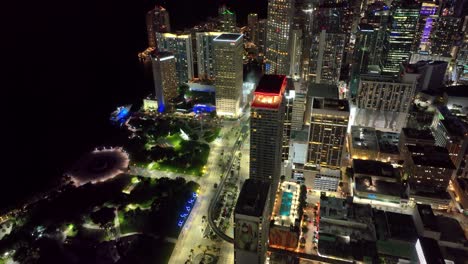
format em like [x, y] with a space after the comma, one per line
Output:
[286, 202]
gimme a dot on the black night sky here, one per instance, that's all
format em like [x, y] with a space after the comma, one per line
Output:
[76, 62]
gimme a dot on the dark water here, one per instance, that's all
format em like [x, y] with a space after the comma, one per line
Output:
[78, 61]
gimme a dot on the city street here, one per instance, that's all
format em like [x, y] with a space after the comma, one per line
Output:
[191, 236]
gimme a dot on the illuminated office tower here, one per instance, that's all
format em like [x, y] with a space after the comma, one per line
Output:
[280, 18]
[205, 53]
[266, 129]
[365, 53]
[157, 20]
[447, 30]
[327, 131]
[228, 49]
[181, 47]
[326, 55]
[227, 20]
[378, 16]
[399, 35]
[427, 17]
[165, 80]
[252, 22]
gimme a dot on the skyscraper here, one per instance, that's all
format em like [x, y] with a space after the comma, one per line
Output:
[266, 129]
[400, 35]
[427, 17]
[326, 57]
[205, 53]
[445, 34]
[328, 124]
[165, 80]
[252, 22]
[181, 47]
[228, 48]
[227, 20]
[262, 35]
[280, 17]
[157, 20]
[251, 219]
[365, 53]
[296, 53]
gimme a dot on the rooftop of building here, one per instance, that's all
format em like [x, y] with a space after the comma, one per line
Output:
[463, 183]
[439, 195]
[450, 230]
[397, 226]
[455, 126]
[425, 149]
[431, 250]
[435, 160]
[424, 134]
[252, 198]
[457, 90]
[323, 90]
[457, 255]
[364, 138]
[373, 168]
[428, 218]
[271, 84]
[330, 104]
[366, 184]
[365, 27]
[388, 142]
[231, 37]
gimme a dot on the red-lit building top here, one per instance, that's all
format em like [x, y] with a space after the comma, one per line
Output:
[269, 91]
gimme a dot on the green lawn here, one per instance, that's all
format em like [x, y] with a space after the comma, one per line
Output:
[175, 140]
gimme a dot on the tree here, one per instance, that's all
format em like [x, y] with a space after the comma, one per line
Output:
[103, 217]
[282, 178]
[183, 88]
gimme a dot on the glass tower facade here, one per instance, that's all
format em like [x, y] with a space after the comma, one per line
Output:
[400, 36]
[280, 16]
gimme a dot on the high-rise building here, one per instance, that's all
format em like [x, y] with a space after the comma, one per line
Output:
[288, 107]
[427, 17]
[266, 129]
[228, 49]
[262, 35]
[384, 93]
[252, 22]
[400, 34]
[446, 33]
[326, 55]
[280, 18]
[165, 80]
[181, 47]
[298, 110]
[157, 20]
[227, 20]
[205, 53]
[296, 53]
[252, 221]
[327, 131]
[428, 168]
[365, 53]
